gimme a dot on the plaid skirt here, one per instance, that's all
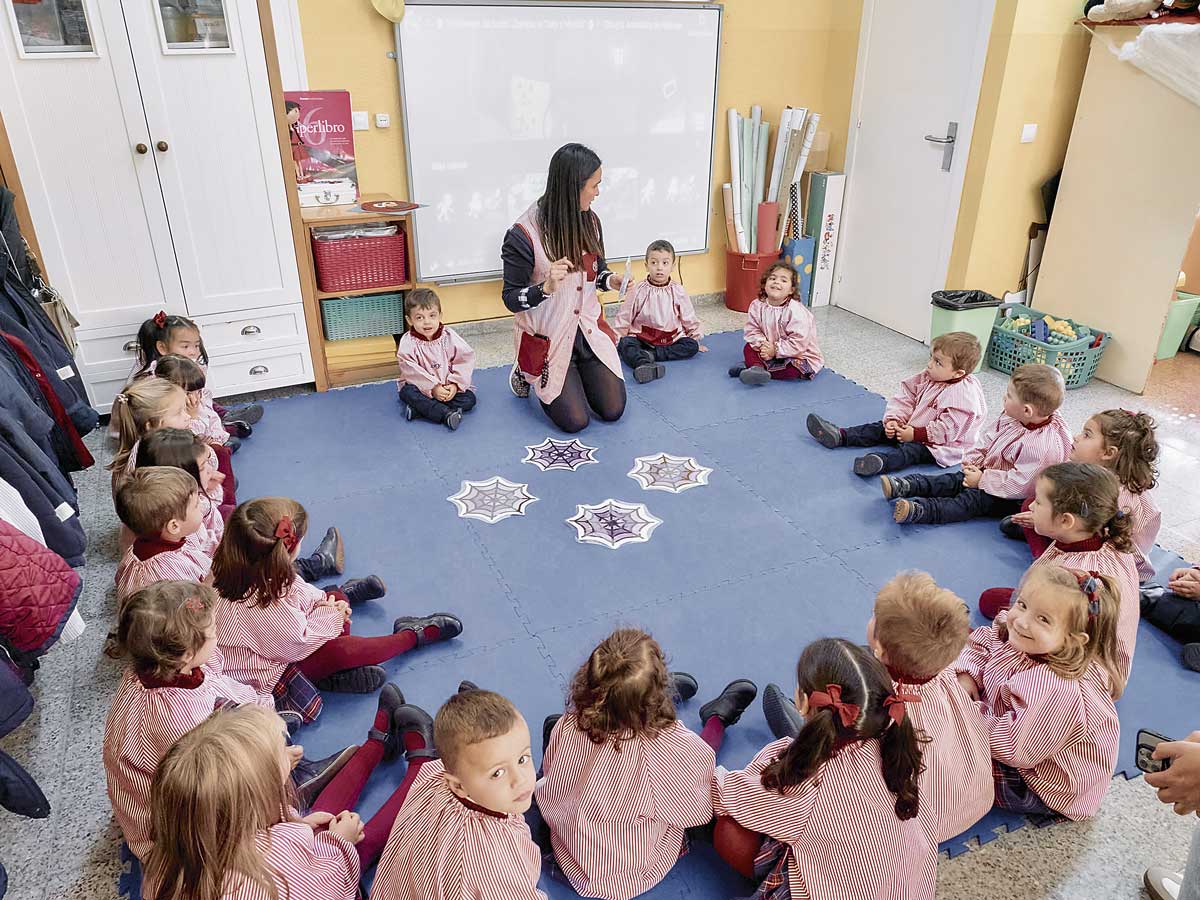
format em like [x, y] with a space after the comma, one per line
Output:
[771, 870]
[296, 693]
[1014, 794]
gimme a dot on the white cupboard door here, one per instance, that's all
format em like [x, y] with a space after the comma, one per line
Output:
[213, 138]
[77, 126]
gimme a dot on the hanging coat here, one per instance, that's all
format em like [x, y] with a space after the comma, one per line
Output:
[55, 509]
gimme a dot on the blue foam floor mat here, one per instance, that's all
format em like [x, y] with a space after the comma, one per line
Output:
[783, 534]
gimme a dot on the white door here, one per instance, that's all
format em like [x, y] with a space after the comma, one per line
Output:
[75, 121]
[901, 203]
[214, 143]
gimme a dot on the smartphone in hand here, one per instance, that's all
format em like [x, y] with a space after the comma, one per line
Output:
[1146, 742]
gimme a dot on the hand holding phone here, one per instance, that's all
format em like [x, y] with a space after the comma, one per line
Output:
[1146, 742]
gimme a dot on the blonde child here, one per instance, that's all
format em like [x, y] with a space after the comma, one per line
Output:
[623, 777]
[160, 505]
[243, 836]
[781, 333]
[1124, 442]
[1000, 470]
[461, 832]
[271, 620]
[1075, 507]
[164, 335]
[839, 805]
[656, 322]
[436, 364]
[1046, 673]
[934, 418]
[143, 405]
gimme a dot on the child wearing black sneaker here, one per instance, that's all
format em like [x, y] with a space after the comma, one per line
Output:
[436, 364]
[781, 334]
[934, 418]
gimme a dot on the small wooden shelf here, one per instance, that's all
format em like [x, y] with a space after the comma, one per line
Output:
[362, 292]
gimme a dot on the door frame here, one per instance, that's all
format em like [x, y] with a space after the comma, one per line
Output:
[966, 131]
[11, 178]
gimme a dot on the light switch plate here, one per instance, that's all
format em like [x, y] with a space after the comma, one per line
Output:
[383, 120]
[361, 120]
[1028, 133]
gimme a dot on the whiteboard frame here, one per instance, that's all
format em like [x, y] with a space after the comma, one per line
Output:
[496, 275]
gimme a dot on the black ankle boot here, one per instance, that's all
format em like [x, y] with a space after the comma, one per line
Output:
[327, 560]
[312, 775]
[359, 680]
[731, 703]
[250, 414]
[391, 698]
[409, 719]
[360, 590]
[448, 626]
[464, 686]
[783, 718]
[233, 445]
[1011, 529]
[685, 685]
[241, 429]
[825, 432]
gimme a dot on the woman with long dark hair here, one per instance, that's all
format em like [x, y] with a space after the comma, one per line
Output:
[553, 266]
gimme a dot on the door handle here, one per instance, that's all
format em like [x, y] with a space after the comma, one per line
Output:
[251, 329]
[141, 148]
[130, 347]
[947, 143]
[259, 370]
[162, 146]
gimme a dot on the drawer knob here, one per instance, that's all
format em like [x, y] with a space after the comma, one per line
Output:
[130, 347]
[251, 329]
[259, 370]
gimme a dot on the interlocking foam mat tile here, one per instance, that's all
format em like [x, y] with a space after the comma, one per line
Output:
[783, 545]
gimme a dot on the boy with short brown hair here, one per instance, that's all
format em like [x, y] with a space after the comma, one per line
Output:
[161, 506]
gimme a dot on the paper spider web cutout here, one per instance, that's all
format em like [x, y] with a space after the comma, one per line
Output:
[664, 472]
[491, 500]
[552, 454]
[613, 523]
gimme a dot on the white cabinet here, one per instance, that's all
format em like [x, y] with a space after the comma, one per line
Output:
[146, 143]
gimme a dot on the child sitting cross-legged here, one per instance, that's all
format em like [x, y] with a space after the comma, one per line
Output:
[461, 831]
[436, 364]
[272, 620]
[224, 814]
[656, 321]
[835, 813]
[934, 418]
[174, 681]
[161, 506]
[1000, 470]
[1046, 673]
[623, 777]
[781, 334]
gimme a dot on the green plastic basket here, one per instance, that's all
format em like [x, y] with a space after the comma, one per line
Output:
[1077, 360]
[371, 315]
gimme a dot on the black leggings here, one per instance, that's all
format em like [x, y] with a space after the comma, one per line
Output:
[589, 383]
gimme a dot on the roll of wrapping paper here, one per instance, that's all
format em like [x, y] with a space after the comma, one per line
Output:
[730, 230]
[768, 219]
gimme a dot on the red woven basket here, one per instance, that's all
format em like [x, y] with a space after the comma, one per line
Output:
[353, 264]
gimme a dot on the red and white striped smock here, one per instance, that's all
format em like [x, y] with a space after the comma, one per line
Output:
[946, 416]
[957, 783]
[1097, 555]
[305, 865]
[444, 358]
[207, 424]
[441, 849]
[790, 327]
[212, 526]
[1012, 455]
[617, 812]
[840, 825]
[259, 642]
[1062, 734]
[145, 720]
[152, 559]
[659, 314]
[1146, 518]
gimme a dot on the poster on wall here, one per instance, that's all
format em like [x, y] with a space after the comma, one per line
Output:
[322, 136]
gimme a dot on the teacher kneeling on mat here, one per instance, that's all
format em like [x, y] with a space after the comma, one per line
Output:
[553, 266]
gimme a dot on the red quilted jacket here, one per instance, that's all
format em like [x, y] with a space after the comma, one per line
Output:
[38, 591]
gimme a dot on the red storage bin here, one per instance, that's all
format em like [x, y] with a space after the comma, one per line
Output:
[361, 263]
[743, 272]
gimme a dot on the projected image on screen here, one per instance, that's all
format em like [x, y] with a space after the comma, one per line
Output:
[490, 92]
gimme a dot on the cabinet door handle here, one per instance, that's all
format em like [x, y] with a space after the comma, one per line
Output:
[141, 148]
[259, 370]
[162, 146]
[251, 329]
[130, 347]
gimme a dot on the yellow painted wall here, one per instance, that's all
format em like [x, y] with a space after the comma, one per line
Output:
[773, 53]
[1034, 69]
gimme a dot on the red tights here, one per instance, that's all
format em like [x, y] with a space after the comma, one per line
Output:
[350, 651]
[783, 373]
[713, 733]
[1037, 544]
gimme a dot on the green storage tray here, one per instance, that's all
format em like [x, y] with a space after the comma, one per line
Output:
[370, 315]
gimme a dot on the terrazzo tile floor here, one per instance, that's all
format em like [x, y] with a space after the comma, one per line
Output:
[73, 853]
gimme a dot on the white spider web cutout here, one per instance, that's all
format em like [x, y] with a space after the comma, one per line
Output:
[552, 454]
[613, 523]
[664, 472]
[491, 500]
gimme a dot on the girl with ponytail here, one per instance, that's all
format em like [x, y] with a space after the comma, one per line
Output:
[783, 819]
[1076, 507]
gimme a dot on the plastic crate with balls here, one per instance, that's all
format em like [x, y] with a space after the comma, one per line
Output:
[1023, 335]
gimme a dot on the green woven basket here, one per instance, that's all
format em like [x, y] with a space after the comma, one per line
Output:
[1077, 360]
[370, 315]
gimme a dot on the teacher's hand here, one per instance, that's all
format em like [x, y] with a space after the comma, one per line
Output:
[1180, 784]
[558, 271]
[615, 281]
